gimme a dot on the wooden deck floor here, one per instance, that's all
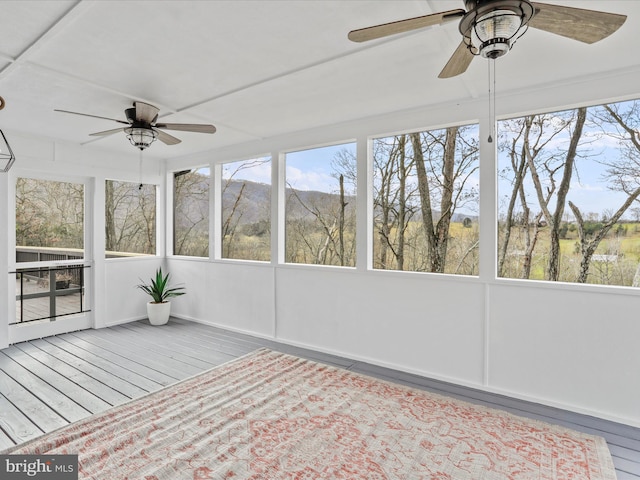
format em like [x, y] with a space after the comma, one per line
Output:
[48, 383]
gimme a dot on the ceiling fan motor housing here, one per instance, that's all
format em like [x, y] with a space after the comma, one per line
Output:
[491, 27]
[130, 114]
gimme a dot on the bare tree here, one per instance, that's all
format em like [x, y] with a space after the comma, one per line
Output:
[527, 145]
[444, 160]
[566, 168]
[49, 213]
[130, 210]
[623, 173]
[387, 196]
[236, 206]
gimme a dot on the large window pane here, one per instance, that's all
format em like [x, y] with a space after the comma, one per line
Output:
[246, 209]
[130, 219]
[568, 186]
[321, 206]
[425, 201]
[191, 212]
[49, 220]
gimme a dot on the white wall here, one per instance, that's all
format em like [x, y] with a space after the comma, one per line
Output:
[570, 346]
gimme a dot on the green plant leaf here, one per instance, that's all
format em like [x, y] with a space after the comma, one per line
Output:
[159, 289]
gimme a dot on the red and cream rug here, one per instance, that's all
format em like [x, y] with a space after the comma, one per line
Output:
[273, 416]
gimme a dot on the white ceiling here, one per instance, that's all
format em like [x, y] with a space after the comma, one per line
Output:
[257, 69]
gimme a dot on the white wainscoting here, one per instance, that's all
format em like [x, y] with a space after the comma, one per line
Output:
[559, 345]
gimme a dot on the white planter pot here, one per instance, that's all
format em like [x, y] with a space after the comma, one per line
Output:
[158, 312]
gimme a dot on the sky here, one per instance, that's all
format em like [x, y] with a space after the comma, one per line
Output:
[305, 170]
[589, 190]
[312, 170]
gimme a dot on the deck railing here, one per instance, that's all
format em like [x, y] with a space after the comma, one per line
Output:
[49, 292]
[52, 290]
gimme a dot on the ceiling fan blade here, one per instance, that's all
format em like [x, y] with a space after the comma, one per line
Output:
[94, 116]
[188, 127]
[386, 29]
[458, 63]
[165, 138]
[588, 26]
[106, 132]
[145, 113]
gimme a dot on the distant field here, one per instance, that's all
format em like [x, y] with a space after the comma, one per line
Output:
[622, 249]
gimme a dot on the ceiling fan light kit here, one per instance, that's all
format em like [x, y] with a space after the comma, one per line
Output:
[141, 137]
[491, 32]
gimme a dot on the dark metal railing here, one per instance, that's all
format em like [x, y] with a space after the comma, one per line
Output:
[49, 292]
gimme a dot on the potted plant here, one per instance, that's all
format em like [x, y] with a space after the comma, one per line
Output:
[159, 308]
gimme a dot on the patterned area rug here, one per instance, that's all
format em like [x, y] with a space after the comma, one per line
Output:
[273, 416]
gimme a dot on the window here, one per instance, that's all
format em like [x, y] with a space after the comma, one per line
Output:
[321, 206]
[130, 219]
[569, 184]
[246, 209]
[191, 212]
[425, 201]
[49, 220]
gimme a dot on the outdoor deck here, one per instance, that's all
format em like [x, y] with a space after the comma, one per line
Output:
[48, 383]
[38, 308]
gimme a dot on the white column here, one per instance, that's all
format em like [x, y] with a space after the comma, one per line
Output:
[364, 206]
[94, 252]
[488, 224]
[5, 284]
[215, 232]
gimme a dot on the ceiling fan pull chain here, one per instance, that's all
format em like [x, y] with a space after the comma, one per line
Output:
[140, 186]
[493, 120]
[492, 97]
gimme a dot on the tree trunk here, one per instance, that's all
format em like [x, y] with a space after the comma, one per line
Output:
[343, 206]
[588, 248]
[554, 251]
[110, 223]
[519, 167]
[425, 198]
[402, 201]
[446, 202]
[229, 229]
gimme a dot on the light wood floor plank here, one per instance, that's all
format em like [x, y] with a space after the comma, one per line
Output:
[116, 370]
[79, 395]
[131, 350]
[99, 389]
[38, 413]
[127, 389]
[16, 424]
[154, 341]
[93, 346]
[5, 441]
[195, 345]
[58, 401]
